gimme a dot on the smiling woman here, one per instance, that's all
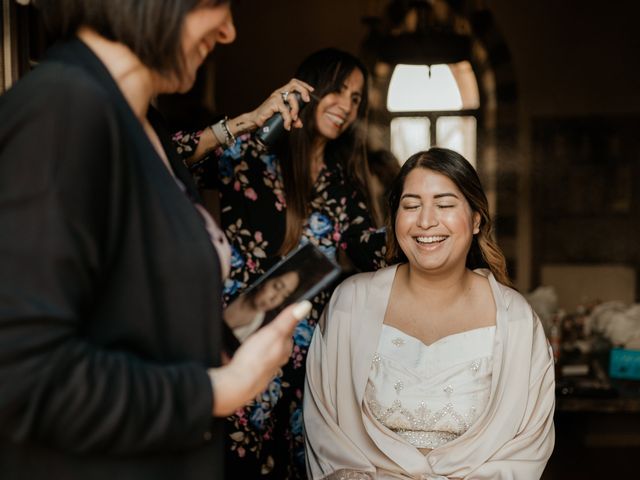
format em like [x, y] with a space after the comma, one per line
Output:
[444, 180]
[450, 374]
[310, 187]
[336, 111]
[434, 223]
[203, 29]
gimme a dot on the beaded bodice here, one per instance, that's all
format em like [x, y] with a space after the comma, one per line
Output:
[430, 394]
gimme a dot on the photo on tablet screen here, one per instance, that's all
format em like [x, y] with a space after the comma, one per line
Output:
[299, 276]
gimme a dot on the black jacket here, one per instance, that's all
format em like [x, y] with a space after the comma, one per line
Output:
[109, 289]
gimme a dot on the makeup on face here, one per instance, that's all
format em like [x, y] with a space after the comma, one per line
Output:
[337, 111]
[434, 224]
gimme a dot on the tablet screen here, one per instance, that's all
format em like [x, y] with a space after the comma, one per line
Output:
[299, 276]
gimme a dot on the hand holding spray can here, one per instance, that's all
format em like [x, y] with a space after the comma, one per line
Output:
[271, 131]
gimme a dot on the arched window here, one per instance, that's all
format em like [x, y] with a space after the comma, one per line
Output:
[433, 105]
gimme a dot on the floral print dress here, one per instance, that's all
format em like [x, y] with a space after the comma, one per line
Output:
[265, 439]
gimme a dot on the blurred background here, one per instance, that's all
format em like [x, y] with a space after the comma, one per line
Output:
[542, 97]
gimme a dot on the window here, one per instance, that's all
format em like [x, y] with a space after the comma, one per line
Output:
[409, 135]
[433, 105]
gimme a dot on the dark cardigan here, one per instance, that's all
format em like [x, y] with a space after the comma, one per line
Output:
[110, 304]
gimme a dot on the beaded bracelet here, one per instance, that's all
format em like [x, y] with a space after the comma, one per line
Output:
[222, 133]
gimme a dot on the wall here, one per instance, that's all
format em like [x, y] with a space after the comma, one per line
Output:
[573, 57]
[273, 37]
[575, 61]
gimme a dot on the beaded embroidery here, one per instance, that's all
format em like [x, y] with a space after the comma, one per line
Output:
[475, 366]
[418, 427]
[435, 419]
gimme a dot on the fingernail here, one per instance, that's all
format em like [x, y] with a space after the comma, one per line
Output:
[302, 309]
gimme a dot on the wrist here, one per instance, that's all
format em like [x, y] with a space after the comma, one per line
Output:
[230, 392]
[222, 133]
[242, 124]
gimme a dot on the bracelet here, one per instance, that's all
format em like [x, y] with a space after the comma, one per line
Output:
[222, 133]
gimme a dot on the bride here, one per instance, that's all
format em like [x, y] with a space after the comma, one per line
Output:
[433, 368]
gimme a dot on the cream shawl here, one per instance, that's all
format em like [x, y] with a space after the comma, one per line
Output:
[512, 439]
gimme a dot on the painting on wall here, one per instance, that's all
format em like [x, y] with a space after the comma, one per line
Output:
[586, 172]
[585, 165]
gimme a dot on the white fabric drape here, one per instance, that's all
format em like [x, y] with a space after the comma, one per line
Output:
[512, 439]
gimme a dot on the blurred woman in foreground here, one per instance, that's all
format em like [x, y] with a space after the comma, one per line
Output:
[111, 270]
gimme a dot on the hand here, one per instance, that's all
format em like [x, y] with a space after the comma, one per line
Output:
[255, 119]
[256, 362]
[289, 110]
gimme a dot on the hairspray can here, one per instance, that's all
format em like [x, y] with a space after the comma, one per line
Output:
[270, 132]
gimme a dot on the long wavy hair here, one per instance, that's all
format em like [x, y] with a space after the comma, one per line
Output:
[326, 70]
[484, 251]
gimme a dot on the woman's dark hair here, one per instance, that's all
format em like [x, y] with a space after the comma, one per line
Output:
[484, 252]
[152, 29]
[384, 166]
[326, 70]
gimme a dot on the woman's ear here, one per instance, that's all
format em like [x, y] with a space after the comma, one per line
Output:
[476, 223]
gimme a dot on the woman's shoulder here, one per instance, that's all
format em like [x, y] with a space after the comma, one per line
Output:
[512, 300]
[360, 285]
[356, 293]
[55, 84]
[356, 281]
[515, 301]
[63, 101]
